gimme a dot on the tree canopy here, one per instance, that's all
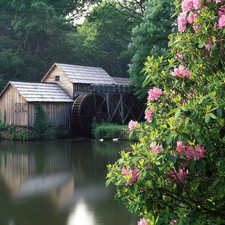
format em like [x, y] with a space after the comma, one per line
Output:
[36, 34]
[150, 37]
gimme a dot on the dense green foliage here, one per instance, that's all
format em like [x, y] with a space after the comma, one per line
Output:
[150, 37]
[176, 173]
[36, 34]
[105, 35]
[42, 128]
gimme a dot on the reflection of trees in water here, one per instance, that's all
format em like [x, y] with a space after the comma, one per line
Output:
[89, 159]
[24, 161]
[110, 148]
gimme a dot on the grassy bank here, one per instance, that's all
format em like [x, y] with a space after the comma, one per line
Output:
[112, 131]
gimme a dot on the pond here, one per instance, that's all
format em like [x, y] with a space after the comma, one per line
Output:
[59, 183]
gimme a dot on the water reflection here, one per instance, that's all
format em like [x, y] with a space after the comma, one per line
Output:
[59, 183]
[81, 214]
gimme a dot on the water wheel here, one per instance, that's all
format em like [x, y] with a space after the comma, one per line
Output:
[85, 108]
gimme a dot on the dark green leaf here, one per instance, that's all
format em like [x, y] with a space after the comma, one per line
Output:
[171, 158]
[169, 138]
[200, 165]
[219, 112]
[207, 118]
[177, 115]
[191, 165]
[212, 115]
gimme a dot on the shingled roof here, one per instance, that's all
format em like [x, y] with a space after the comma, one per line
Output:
[40, 92]
[88, 75]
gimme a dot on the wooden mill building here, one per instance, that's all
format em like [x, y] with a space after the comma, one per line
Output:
[71, 95]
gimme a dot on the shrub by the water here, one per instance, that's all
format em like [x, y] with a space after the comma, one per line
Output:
[175, 174]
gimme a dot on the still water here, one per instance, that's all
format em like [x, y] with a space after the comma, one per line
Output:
[59, 183]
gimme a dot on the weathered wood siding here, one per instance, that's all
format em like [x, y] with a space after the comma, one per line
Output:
[63, 82]
[15, 106]
[81, 87]
[22, 113]
[57, 113]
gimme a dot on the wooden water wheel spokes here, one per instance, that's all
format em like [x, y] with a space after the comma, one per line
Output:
[85, 108]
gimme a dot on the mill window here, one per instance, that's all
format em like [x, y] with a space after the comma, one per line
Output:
[57, 78]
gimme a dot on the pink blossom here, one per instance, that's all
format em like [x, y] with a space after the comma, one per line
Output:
[180, 56]
[189, 152]
[208, 46]
[196, 27]
[180, 176]
[182, 21]
[201, 151]
[154, 93]
[133, 173]
[148, 115]
[190, 4]
[173, 222]
[157, 148]
[191, 17]
[221, 10]
[132, 125]
[125, 171]
[195, 153]
[180, 148]
[196, 4]
[221, 22]
[135, 176]
[187, 5]
[181, 72]
[198, 153]
[218, 1]
[143, 221]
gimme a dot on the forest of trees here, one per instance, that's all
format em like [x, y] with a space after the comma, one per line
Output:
[115, 35]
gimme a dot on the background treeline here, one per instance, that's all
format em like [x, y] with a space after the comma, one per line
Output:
[115, 35]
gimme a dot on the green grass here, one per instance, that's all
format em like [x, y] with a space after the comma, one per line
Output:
[110, 131]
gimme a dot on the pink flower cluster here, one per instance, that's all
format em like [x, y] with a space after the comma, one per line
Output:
[132, 125]
[173, 222]
[134, 175]
[221, 14]
[208, 46]
[148, 115]
[180, 176]
[180, 56]
[142, 221]
[154, 93]
[181, 72]
[157, 148]
[187, 16]
[191, 152]
[190, 4]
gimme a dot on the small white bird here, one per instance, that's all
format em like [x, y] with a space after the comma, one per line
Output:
[115, 139]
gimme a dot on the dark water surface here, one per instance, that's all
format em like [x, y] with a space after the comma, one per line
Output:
[59, 183]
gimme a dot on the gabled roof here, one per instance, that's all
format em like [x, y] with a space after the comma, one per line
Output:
[40, 92]
[84, 74]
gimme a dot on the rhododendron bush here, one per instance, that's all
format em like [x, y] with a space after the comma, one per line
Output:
[175, 173]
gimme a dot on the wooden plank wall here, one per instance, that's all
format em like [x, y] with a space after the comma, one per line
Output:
[81, 87]
[15, 106]
[21, 113]
[63, 82]
[57, 113]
